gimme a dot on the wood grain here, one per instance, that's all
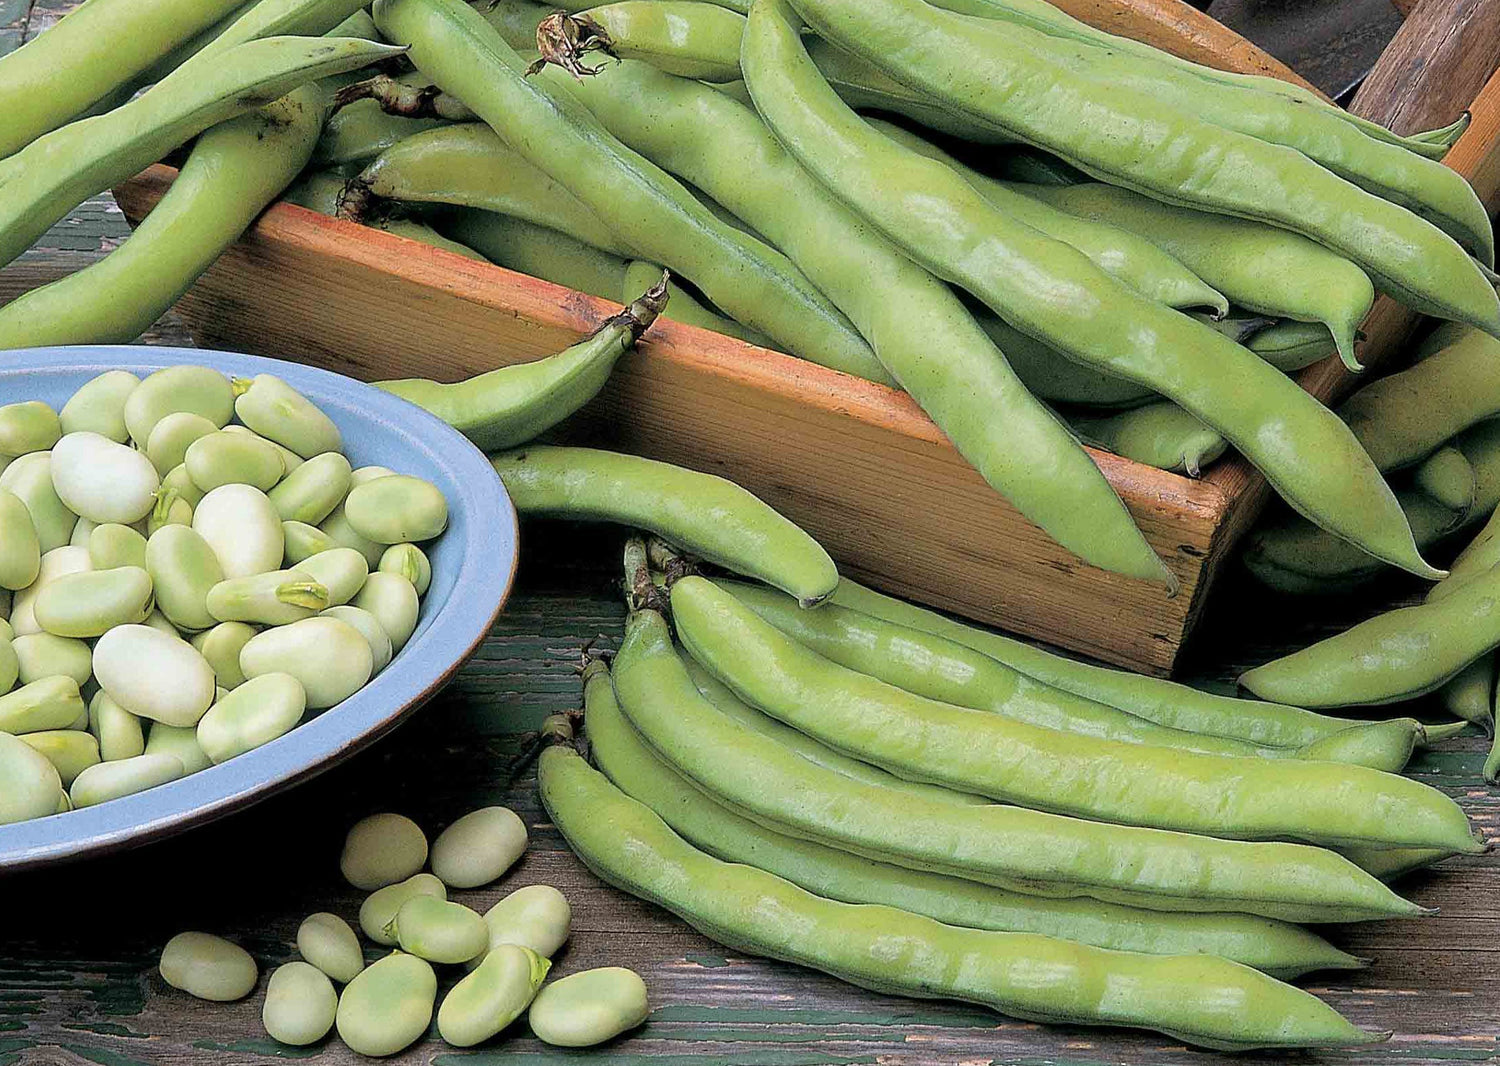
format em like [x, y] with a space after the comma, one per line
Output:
[1438, 61]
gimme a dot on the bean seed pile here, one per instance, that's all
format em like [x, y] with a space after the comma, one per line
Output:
[388, 1005]
[191, 566]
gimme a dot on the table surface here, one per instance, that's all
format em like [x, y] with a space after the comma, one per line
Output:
[78, 949]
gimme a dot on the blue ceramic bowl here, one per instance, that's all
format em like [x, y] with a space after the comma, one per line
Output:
[472, 567]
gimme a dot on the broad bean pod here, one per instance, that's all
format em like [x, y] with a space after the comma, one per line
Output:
[1158, 434]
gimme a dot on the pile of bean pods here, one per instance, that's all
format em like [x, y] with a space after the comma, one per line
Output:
[1061, 216]
[388, 1004]
[180, 587]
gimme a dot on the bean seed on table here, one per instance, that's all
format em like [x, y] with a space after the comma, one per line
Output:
[326, 941]
[42, 655]
[479, 847]
[91, 603]
[181, 743]
[439, 930]
[388, 1006]
[30, 478]
[588, 1008]
[393, 601]
[99, 406]
[20, 551]
[300, 1004]
[233, 459]
[119, 732]
[342, 571]
[410, 562]
[29, 426]
[153, 675]
[255, 713]
[208, 967]
[111, 545]
[331, 658]
[103, 481]
[69, 750]
[381, 850]
[311, 492]
[379, 908]
[173, 435]
[110, 780]
[50, 703]
[32, 784]
[536, 917]
[275, 598]
[492, 996]
[221, 646]
[243, 529]
[370, 628]
[194, 389]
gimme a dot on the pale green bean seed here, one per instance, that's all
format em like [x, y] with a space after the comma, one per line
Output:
[20, 551]
[64, 803]
[54, 564]
[30, 478]
[388, 1006]
[48, 703]
[183, 568]
[196, 389]
[303, 541]
[588, 1008]
[81, 723]
[29, 426]
[390, 510]
[381, 850]
[233, 459]
[170, 510]
[275, 598]
[103, 481]
[153, 675]
[326, 941]
[32, 784]
[365, 474]
[69, 750]
[10, 662]
[439, 931]
[280, 413]
[243, 529]
[410, 562]
[159, 622]
[40, 655]
[119, 732]
[479, 847]
[290, 460]
[493, 996]
[370, 628]
[256, 713]
[110, 780]
[311, 492]
[300, 1004]
[393, 601]
[180, 742]
[83, 529]
[536, 917]
[111, 545]
[221, 646]
[342, 571]
[381, 905]
[92, 603]
[99, 406]
[208, 966]
[5, 627]
[337, 528]
[179, 480]
[329, 657]
[171, 437]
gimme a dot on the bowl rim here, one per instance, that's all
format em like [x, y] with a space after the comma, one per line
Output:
[480, 591]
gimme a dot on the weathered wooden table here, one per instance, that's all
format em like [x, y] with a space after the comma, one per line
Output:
[78, 945]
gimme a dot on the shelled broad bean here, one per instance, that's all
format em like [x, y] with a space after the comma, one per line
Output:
[144, 537]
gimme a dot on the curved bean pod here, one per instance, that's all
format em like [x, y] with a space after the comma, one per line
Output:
[630, 847]
[1447, 477]
[682, 37]
[561, 258]
[1158, 434]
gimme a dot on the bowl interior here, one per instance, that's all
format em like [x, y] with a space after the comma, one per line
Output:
[473, 564]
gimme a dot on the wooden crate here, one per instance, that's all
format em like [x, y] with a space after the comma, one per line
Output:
[857, 464]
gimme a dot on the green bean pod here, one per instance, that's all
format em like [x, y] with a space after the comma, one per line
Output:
[1447, 477]
[1010, 847]
[512, 405]
[1161, 701]
[1015, 762]
[1307, 454]
[48, 178]
[357, 133]
[1261, 268]
[682, 307]
[232, 173]
[1159, 434]
[1278, 948]
[1290, 345]
[691, 40]
[1175, 156]
[1026, 454]
[1187, 997]
[1470, 694]
[649, 210]
[706, 515]
[561, 258]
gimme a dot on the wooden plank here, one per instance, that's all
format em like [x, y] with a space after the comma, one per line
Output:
[1462, 37]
